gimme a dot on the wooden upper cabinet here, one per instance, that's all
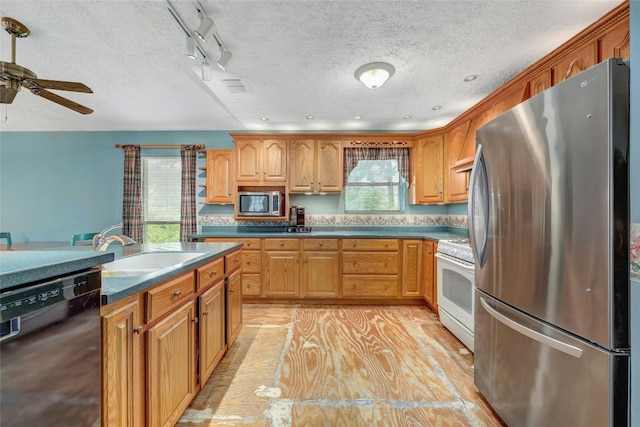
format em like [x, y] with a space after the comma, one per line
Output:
[261, 161]
[539, 82]
[315, 166]
[457, 182]
[429, 169]
[510, 100]
[575, 62]
[615, 43]
[219, 171]
[468, 150]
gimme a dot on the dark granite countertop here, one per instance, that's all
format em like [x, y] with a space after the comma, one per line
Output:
[23, 267]
[19, 268]
[364, 232]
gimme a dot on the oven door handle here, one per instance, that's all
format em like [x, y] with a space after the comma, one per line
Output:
[455, 262]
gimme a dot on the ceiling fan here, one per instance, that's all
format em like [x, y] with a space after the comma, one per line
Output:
[14, 76]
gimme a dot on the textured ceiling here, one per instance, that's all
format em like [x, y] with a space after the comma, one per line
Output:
[295, 58]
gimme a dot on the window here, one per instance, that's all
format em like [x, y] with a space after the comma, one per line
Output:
[375, 186]
[161, 188]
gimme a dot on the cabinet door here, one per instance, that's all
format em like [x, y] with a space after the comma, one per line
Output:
[412, 268]
[616, 43]
[540, 82]
[329, 167]
[575, 62]
[248, 160]
[320, 274]
[234, 305]
[274, 160]
[122, 388]
[302, 166]
[212, 329]
[430, 164]
[457, 183]
[430, 293]
[281, 273]
[171, 369]
[219, 176]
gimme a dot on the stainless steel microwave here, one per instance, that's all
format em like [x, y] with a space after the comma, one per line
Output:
[260, 203]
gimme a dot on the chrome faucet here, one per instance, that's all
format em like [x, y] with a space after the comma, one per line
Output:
[100, 242]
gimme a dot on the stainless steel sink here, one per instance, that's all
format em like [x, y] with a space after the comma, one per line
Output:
[146, 263]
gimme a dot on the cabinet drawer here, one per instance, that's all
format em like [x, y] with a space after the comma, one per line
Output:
[232, 262]
[248, 243]
[320, 244]
[251, 261]
[251, 285]
[282, 244]
[369, 244]
[163, 297]
[370, 263]
[365, 286]
[210, 273]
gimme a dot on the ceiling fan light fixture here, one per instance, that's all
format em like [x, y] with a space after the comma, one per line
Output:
[225, 60]
[205, 29]
[374, 74]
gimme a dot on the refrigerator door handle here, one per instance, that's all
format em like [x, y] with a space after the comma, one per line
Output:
[534, 335]
[478, 207]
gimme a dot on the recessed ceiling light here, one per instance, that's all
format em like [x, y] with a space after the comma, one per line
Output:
[436, 107]
[406, 117]
[358, 117]
[264, 119]
[470, 77]
[310, 117]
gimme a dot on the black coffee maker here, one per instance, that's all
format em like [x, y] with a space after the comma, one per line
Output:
[298, 222]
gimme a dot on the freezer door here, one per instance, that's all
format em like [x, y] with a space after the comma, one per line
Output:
[535, 375]
[556, 209]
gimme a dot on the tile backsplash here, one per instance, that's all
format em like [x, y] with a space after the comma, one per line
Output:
[445, 220]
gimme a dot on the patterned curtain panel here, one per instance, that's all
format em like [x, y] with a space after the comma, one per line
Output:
[353, 154]
[188, 220]
[132, 225]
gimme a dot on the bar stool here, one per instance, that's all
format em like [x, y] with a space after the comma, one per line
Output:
[81, 237]
[6, 235]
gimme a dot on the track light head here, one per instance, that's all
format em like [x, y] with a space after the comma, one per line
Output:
[205, 71]
[191, 48]
[225, 60]
[205, 29]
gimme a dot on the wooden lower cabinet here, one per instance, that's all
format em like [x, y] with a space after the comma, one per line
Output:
[281, 268]
[412, 264]
[211, 329]
[251, 263]
[122, 365]
[233, 305]
[320, 275]
[430, 283]
[150, 370]
[370, 268]
[171, 354]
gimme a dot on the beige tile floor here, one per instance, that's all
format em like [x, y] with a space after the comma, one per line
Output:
[297, 365]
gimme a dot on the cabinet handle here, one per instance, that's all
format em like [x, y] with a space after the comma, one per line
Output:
[138, 330]
[281, 243]
[204, 313]
[236, 260]
[230, 290]
[195, 319]
[176, 293]
[213, 273]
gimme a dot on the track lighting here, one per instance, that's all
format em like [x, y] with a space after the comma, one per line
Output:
[206, 71]
[205, 29]
[191, 48]
[224, 60]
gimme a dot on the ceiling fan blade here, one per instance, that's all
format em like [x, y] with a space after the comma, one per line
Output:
[62, 85]
[63, 101]
[7, 94]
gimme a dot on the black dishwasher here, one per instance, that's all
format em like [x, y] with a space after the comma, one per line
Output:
[50, 352]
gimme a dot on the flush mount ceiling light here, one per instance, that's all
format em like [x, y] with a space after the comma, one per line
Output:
[225, 59]
[205, 29]
[374, 74]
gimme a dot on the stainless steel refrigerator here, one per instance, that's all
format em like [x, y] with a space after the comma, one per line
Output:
[549, 225]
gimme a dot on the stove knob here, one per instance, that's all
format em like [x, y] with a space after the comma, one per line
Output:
[454, 252]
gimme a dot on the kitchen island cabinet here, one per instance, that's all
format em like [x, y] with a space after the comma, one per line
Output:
[152, 363]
